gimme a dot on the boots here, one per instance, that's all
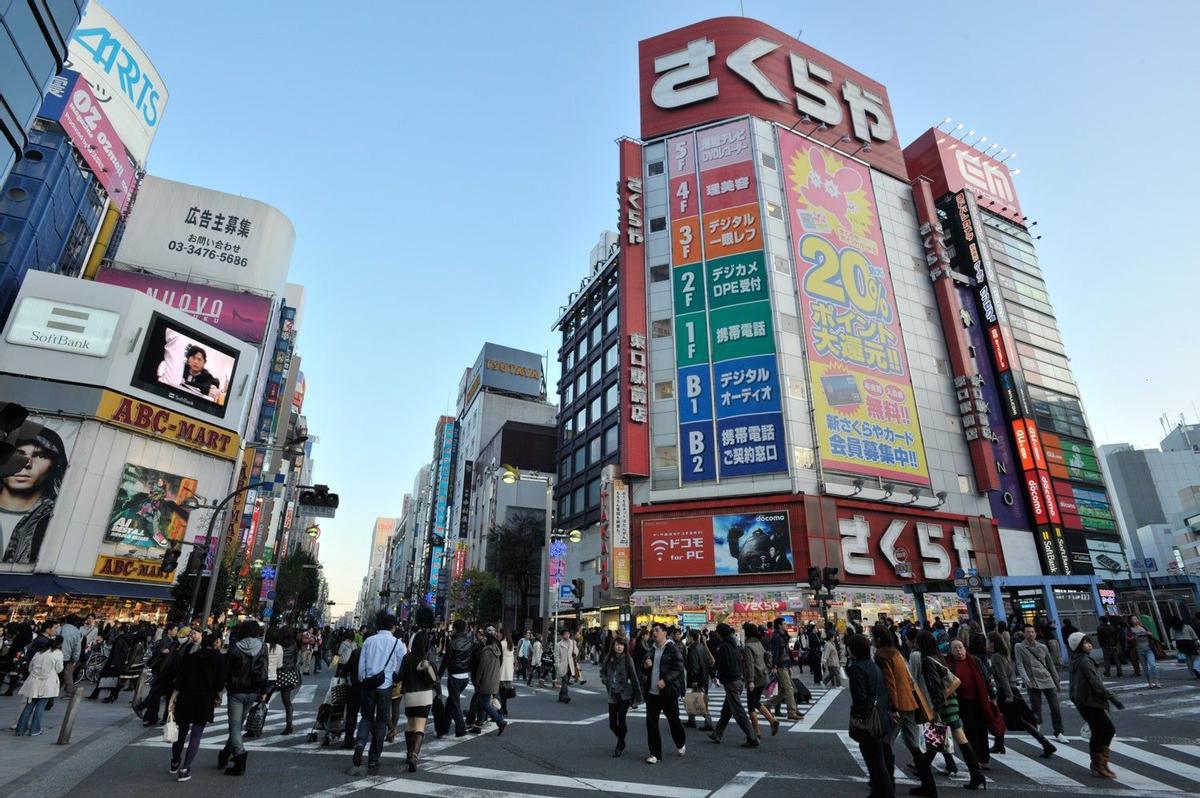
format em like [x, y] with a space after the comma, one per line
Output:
[415, 758]
[924, 766]
[239, 765]
[408, 746]
[998, 748]
[1112, 774]
[977, 778]
[223, 757]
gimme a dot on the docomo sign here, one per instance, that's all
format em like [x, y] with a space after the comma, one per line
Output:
[733, 66]
[678, 547]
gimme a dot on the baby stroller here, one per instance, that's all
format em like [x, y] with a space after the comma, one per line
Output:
[331, 715]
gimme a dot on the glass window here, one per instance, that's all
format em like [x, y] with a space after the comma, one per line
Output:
[660, 328]
[564, 506]
[658, 224]
[597, 370]
[579, 506]
[580, 421]
[612, 358]
[580, 459]
[583, 349]
[569, 363]
[612, 396]
[610, 321]
[666, 457]
[597, 334]
[596, 409]
[568, 394]
[660, 274]
[581, 384]
[593, 494]
[594, 449]
[664, 390]
[611, 437]
[654, 168]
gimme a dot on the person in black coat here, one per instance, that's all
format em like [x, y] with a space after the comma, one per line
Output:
[868, 692]
[198, 680]
[663, 682]
[114, 666]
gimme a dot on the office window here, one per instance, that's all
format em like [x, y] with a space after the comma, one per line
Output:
[660, 273]
[569, 363]
[611, 438]
[658, 224]
[596, 409]
[581, 384]
[610, 321]
[660, 328]
[581, 421]
[597, 334]
[564, 506]
[593, 494]
[664, 390]
[568, 394]
[612, 358]
[579, 505]
[583, 349]
[612, 396]
[654, 168]
[597, 370]
[594, 449]
[580, 459]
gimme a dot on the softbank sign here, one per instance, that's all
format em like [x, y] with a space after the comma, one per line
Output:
[47, 324]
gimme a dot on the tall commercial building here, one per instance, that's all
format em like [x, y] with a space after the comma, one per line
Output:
[832, 353]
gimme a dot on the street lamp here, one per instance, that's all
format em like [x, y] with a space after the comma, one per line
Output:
[314, 531]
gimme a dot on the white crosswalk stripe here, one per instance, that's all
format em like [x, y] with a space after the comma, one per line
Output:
[1125, 776]
[1189, 772]
[1033, 769]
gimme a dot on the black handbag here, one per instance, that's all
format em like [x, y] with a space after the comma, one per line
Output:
[866, 727]
[507, 691]
[287, 679]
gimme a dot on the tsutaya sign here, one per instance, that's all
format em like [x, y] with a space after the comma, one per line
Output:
[731, 66]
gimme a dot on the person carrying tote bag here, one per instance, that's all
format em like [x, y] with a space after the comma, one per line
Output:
[941, 686]
[870, 715]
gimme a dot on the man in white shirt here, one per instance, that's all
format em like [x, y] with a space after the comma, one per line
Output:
[379, 660]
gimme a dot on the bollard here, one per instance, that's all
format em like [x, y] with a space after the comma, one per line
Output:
[64, 734]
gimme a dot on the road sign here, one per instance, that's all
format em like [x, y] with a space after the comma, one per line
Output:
[270, 595]
[268, 572]
[904, 569]
[959, 573]
[1143, 566]
[901, 554]
[974, 584]
[268, 612]
[961, 582]
[963, 593]
[972, 572]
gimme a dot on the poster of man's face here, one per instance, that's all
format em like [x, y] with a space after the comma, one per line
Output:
[148, 511]
[28, 497]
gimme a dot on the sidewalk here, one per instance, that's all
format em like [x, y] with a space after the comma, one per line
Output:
[23, 755]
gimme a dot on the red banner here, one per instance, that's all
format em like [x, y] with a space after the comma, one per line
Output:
[677, 547]
[635, 422]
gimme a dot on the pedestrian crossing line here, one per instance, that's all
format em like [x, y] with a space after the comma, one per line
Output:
[567, 782]
[1033, 769]
[307, 694]
[1189, 772]
[1190, 750]
[742, 782]
[818, 709]
[1125, 776]
[414, 787]
[856, 755]
[350, 787]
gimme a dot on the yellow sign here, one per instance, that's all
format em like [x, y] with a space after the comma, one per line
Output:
[132, 570]
[157, 422]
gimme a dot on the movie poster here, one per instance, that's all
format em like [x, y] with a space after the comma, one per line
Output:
[147, 512]
[28, 497]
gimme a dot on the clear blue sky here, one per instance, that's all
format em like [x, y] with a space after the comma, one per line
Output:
[448, 167]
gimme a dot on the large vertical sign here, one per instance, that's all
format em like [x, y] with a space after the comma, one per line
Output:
[866, 414]
[444, 456]
[631, 280]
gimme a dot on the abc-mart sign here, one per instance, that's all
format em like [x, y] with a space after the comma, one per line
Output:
[733, 66]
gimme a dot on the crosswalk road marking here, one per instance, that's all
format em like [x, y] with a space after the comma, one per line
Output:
[856, 755]
[814, 712]
[1033, 769]
[1124, 775]
[306, 694]
[1189, 772]
[568, 782]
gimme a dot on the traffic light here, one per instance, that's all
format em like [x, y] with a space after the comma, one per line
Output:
[814, 578]
[577, 588]
[170, 561]
[195, 561]
[318, 501]
[829, 577]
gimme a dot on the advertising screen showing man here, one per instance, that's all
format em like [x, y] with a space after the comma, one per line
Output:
[186, 366]
[752, 544]
[147, 512]
[28, 497]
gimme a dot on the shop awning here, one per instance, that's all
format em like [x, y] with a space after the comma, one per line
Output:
[53, 585]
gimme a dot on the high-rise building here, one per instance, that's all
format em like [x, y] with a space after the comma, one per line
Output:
[834, 356]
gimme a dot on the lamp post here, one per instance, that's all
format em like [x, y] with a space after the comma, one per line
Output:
[212, 579]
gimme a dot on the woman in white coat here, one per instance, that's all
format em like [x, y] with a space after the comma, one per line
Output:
[40, 687]
[507, 667]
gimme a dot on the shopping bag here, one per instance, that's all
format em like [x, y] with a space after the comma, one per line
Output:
[803, 694]
[170, 732]
[695, 702]
[441, 719]
[256, 718]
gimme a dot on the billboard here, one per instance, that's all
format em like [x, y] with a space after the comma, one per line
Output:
[510, 370]
[635, 427]
[733, 66]
[185, 366]
[863, 402]
[146, 512]
[195, 232]
[242, 315]
[61, 326]
[953, 165]
[717, 545]
[71, 102]
[123, 79]
[158, 422]
[28, 497]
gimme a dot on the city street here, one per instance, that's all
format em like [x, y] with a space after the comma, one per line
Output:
[565, 750]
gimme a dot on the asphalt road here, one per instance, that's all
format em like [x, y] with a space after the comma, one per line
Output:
[552, 749]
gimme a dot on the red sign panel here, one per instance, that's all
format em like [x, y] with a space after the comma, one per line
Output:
[999, 351]
[953, 165]
[734, 66]
[677, 547]
[635, 428]
[1021, 442]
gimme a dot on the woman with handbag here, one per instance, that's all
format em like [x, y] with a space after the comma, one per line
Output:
[940, 686]
[974, 700]
[417, 680]
[910, 712]
[870, 715]
[1017, 714]
[287, 674]
[198, 686]
[759, 674]
[621, 682]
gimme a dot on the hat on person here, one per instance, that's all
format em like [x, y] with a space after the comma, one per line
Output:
[490, 631]
[184, 632]
[1075, 639]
